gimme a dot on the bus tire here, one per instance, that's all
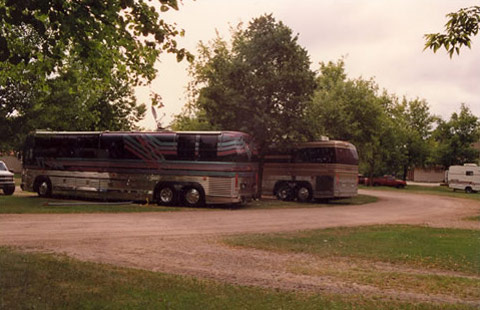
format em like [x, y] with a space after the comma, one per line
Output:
[44, 187]
[9, 190]
[284, 192]
[193, 196]
[303, 193]
[468, 190]
[166, 195]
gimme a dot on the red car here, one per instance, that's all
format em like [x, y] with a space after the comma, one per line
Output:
[388, 180]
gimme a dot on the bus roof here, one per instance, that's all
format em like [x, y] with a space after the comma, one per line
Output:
[328, 143]
[47, 132]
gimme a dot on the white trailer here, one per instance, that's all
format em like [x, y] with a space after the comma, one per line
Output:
[466, 177]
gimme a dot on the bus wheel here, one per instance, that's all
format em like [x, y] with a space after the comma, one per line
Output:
[44, 188]
[284, 192]
[304, 193]
[468, 190]
[193, 197]
[166, 195]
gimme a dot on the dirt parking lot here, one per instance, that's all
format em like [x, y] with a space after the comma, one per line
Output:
[189, 243]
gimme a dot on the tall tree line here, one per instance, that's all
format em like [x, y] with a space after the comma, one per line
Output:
[261, 82]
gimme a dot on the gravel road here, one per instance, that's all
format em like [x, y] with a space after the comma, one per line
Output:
[189, 243]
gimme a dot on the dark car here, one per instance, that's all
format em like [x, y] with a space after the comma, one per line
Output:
[388, 180]
[6, 180]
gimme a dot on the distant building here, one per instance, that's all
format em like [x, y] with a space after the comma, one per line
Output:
[12, 162]
[432, 174]
[427, 175]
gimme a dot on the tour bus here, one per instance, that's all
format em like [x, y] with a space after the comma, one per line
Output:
[189, 168]
[313, 170]
[466, 177]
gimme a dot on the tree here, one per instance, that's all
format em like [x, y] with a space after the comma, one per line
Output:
[413, 128]
[454, 139]
[125, 35]
[352, 110]
[197, 121]
[75, 100]
[260, 84]
[459, 29]
[73, 64]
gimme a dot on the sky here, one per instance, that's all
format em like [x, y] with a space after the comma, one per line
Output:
[379, 39]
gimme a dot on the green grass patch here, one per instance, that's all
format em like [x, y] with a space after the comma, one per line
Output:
[367, 273]
[34, 204]
[40, 281]
[438, 248]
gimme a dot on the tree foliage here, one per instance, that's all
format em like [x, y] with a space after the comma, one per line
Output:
[414, 125]
[454, 139]
[391, 136]
[352, 110]
[125, 36]
[459, 30]
[72, 65]
[259, 84]
[73, 100]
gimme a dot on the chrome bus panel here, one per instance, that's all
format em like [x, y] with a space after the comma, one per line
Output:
[140, 187]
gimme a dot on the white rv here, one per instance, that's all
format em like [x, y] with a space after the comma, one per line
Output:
[466, 177]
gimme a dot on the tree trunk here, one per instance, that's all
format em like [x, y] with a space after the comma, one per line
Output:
[261, 160]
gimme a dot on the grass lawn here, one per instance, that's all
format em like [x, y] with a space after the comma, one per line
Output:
[33, 204]
[441, 248]
[447, 260]
[41, 281]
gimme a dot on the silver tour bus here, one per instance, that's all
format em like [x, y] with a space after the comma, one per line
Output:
[170, 168]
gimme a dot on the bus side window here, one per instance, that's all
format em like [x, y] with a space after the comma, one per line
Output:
[28, 157]
[114, 147]
[87, 147]
[315, 155]
[45, 147]
[208, 148]
[186, 147]
[165, 145]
